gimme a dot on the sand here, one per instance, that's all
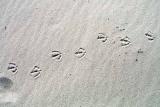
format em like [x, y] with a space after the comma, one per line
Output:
[80, 53]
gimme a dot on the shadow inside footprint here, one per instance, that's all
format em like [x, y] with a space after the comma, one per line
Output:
[5, 83]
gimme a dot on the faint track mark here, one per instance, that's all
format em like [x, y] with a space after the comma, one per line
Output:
[140, 51]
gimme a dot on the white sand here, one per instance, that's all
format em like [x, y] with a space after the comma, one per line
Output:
[120, 69]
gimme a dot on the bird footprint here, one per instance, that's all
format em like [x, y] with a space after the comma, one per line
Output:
[125, 41]
[150, 36]
[12, 67]
[102, 37]
[35, 72]
[56, 55]
[80, 52]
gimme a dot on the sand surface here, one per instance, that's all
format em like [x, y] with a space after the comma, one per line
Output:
[80, 53]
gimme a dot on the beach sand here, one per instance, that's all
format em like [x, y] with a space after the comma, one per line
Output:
[80, 53]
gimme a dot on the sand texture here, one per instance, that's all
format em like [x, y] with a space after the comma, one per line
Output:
[79, 53]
